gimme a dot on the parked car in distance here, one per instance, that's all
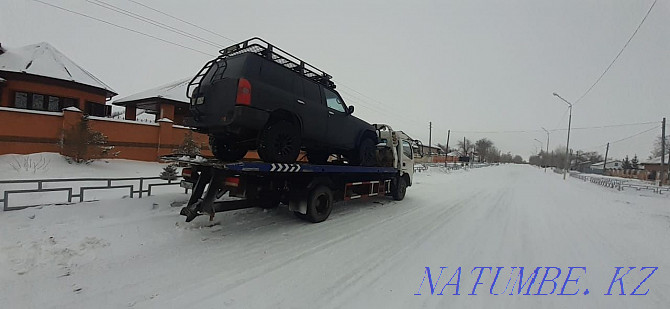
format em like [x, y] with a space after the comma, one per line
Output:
[256, 96]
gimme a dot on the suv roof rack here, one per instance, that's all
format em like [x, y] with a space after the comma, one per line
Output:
[268, 51]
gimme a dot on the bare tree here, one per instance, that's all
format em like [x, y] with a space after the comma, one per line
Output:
[482, 147]
[656, 150]
[465, 145]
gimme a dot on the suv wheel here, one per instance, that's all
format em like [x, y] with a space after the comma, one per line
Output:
[317, 157]
[366, 154]
[279, 142]
[226, 150]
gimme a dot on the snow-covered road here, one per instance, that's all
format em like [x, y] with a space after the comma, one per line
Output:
[368, 254]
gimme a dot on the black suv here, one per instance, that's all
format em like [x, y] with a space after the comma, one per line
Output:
[256, 96]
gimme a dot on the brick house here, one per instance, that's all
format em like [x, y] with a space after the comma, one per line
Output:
[43, 92]
[39, 77]
[165, 101]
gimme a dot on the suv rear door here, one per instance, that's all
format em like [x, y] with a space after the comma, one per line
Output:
[311, 109]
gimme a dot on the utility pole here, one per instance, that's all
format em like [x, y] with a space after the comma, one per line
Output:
[446, 152]
[605, 163]
[662, 151]
[567, 144]
[430, 139]
[547, 153]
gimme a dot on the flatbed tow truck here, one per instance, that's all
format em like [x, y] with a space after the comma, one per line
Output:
[308, 190]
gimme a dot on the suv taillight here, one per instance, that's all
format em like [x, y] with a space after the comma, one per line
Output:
[243, 92]
[186, 173]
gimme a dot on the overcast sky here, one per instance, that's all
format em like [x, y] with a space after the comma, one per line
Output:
[484, 66]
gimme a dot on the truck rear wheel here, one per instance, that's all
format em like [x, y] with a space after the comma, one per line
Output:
[226, 150]
[279, 142]
[319, 204]
[399, 188]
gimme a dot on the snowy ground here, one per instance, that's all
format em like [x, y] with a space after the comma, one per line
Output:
[54, 166]
[139, 252]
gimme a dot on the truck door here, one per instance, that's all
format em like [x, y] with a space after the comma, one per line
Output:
[407, 159]
[341, 125]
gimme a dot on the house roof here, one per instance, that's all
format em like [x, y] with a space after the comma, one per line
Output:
[601, 163]
[656, 160]
[175, 91]
[42, 59]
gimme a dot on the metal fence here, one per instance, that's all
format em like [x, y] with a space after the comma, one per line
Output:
[109, 183]
[620, 184]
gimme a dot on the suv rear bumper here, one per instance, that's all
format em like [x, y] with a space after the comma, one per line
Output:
[241, 119]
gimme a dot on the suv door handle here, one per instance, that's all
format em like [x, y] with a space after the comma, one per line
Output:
[301, 102]
[330, 113]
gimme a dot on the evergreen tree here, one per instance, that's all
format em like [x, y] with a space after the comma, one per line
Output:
[626, 164]
[634, 164]
[169, 172]
[188, 146]
[81, 144]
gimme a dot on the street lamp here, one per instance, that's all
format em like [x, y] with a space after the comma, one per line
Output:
[567, 144]
[547, 153]
[541, 143]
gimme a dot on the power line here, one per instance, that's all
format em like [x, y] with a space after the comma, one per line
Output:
[554, 130]
[183, 21]
[625, 138]
[125, 28]
[119, 10]
[619, 54]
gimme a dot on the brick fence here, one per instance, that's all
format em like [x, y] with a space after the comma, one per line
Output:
[26, 131]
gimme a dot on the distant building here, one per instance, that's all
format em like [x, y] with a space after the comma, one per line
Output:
[611, 165]
[653, 167]
[165, 101]
[39, 77]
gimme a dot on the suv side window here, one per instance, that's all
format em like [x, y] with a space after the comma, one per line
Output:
[333, 101]
[407, 149]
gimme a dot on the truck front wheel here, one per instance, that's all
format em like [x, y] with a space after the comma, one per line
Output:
[399, 188]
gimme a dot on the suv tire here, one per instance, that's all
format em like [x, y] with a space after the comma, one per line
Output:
[225, 150]
[279, 142]
[366, 153]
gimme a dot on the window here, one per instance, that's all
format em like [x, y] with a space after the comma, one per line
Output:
[407, 149]
[54, 104]
[333, 101]
[38, 102]
[21, 100]
[68, 102]
[95, 109]
[42, 102]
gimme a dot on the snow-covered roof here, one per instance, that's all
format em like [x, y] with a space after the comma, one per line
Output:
[455, 154]
[175, 91]
[601, 163]
[44, 60]
[657, 160]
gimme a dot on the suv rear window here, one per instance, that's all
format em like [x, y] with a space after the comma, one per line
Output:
[231, 67]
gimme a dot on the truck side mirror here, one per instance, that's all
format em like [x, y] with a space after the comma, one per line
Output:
[350, 109]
